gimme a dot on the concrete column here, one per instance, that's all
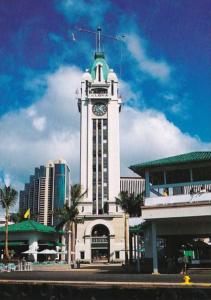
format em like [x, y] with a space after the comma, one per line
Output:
[63, 248]
[133, 250]
[134, 247]
[138, 254]
[130, 247]
[69, 247]
[154, 249]
[73, 242]
[88, 249]
[112, 249]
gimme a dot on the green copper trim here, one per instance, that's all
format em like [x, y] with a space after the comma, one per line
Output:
[100, 58]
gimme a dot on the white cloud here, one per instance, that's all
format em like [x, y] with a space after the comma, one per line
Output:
[30, 140]
[39, 123]
[31, 112]
[7, 179]
[128, 95]
[158, 69]
[145, 134]
[76, 9]
[169, 97]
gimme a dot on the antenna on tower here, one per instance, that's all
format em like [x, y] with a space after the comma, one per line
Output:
[98, 34]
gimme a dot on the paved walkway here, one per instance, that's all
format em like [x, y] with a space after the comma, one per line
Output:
[92, 268]
[101, 275]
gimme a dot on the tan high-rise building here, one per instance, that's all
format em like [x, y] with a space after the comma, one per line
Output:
[48, 189]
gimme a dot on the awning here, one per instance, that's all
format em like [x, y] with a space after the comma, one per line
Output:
[29, 252]
[47, 244]
[59, 244]
[51, 244]
[47, 251]
[15, 243]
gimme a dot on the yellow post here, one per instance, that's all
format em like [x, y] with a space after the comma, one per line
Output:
[187, 279]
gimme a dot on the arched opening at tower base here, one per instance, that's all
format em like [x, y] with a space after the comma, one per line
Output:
[100, 243]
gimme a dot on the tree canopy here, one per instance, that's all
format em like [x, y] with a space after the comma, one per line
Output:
[8, 197]
[68, 213]
[130, 203]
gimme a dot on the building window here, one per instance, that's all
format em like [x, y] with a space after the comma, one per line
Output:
[105, 148]
[82, 254]
[105, 161]
[86, 87]
[82, 209]
[106, 207]
[99, 72]
[112, 87]
[117, 254]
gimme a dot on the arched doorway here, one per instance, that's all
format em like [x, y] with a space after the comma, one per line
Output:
[100, 243]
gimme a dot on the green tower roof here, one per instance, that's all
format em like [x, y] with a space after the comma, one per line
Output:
[100, 58]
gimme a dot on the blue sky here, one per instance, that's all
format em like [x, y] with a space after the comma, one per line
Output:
[166, 72]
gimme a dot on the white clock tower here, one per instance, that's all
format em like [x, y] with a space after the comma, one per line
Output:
[102, 234]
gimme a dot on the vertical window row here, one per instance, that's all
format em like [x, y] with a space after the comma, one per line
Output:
[100, 166]
[94, 154]
[105, 161]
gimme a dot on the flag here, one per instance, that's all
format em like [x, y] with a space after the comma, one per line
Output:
[27, 214]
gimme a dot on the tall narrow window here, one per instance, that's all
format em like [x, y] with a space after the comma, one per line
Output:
[86, 87]
[99, 72]
[112, 87]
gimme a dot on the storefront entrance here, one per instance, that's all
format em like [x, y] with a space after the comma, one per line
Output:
[100, 249]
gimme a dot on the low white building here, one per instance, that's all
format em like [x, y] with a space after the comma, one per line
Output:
[30, 236]
[177, 207]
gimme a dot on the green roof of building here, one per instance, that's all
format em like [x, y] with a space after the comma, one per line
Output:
[99, 58]
[29, 225]
[192, 157]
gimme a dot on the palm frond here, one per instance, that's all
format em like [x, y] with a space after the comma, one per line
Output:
[8, 196]
[68, 214]
[130, 203]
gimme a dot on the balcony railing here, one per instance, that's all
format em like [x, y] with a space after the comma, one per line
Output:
[99, 240]
[98, 95]
[178, 199]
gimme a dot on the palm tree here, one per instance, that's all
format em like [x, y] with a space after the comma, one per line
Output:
[8, 197]
[131, 205]
[68, 217]
[16, 217]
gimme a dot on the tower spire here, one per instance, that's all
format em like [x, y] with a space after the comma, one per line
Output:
[98, 40]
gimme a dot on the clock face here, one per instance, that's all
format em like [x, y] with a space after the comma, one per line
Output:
[99, 109]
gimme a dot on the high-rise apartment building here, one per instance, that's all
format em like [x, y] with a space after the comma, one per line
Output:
[132, 185]
[48, 189]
